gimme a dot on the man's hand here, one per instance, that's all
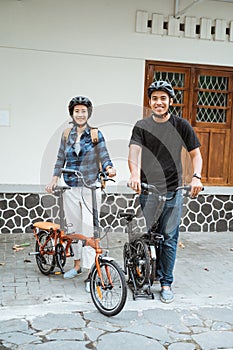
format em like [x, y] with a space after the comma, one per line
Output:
[196, 187]
[135, 184]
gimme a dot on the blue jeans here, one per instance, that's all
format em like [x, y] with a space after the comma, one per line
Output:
[168, 226]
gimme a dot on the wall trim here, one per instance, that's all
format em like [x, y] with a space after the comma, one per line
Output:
[186, 27]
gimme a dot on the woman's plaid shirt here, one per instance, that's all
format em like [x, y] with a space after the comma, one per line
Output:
[87, 160]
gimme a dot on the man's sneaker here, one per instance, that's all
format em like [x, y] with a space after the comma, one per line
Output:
[166, 295]
[72, 273]
[87, 283]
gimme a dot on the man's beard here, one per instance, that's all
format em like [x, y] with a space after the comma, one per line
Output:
[160, 116]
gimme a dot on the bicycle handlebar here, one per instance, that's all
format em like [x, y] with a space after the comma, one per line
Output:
[58, 190]
[78, 174]
[153, 189]
[149, 188]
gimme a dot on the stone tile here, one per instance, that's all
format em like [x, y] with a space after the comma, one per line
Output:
[167, 318]
[182, 346]
[56, 321]
[66, 335]
[18, 338]
[13, 325]
[152, 331]
[120, 341]
[57, 345]
[214, 339]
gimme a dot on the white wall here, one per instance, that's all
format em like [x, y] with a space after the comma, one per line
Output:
[41, 86]
[52, 50]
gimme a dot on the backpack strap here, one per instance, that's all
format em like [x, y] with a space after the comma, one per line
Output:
[95, 139]
[94, 135]
[66, 133]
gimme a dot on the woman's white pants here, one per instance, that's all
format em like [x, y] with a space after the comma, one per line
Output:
[78, 213]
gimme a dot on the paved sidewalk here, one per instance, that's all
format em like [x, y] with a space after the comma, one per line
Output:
[41, 312]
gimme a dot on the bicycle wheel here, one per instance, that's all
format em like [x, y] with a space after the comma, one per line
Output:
[60, 256]
[152, 271]
[126, 257]
[141, 262]
[45, 262]
[154, 261]
[110, 298]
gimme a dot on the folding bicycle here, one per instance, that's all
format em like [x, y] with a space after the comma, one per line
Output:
[53, 245]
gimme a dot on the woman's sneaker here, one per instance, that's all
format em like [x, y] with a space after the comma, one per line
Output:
[72, 273]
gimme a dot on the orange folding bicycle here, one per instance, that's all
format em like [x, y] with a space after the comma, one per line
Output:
[107, 282]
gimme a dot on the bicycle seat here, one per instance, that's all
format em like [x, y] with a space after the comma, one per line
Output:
[45, 225]
[127, 216]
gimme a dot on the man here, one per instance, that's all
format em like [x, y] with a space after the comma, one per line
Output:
[155, 158]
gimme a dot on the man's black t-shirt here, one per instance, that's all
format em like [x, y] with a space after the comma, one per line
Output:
[161, 150]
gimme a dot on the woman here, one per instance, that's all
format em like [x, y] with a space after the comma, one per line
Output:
[78, 152]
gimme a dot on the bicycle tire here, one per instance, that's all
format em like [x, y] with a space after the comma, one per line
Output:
[141, 262]
[152, 271]
[46, 262]
[126, 257]
[60, 256]
[108, 300]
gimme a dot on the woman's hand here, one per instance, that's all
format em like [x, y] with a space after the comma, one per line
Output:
[111, 171]
[51, 186]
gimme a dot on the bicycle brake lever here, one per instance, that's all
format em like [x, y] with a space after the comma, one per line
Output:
[105, 176]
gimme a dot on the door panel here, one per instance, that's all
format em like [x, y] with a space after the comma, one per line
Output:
[204, 138]
[214, 150]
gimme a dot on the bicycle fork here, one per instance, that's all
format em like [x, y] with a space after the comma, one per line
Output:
[102, 284]
[153, 252]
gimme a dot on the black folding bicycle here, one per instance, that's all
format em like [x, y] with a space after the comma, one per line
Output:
[141, 254]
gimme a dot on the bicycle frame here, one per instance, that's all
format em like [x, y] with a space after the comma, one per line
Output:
[94, 241]
[59, 236]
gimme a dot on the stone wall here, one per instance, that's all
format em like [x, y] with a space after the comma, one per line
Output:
[207, 213]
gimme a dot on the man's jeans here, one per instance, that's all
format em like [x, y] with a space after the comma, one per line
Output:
[169, 222]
